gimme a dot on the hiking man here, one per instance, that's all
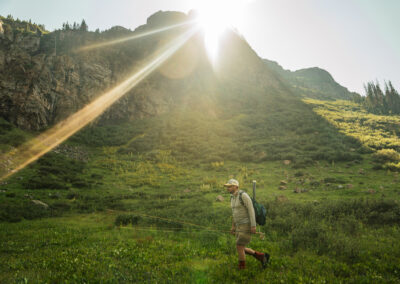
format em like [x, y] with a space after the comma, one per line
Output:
[243, 224]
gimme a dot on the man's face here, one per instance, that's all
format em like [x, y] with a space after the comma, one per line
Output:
[231, 188]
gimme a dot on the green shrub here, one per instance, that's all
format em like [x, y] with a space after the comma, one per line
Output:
[386, 155]
[392, 166]
[55, 171]
[312, 236]
[126, 219]
[334, 180]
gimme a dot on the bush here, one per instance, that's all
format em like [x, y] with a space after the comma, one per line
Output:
[392, 166]
[386, 155]
[334, 180]
[312, 235]
[55, 171]
[126, 219]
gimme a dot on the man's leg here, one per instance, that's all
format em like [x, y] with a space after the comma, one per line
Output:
[240, 250]
[242, 256]
[249, 251]
[262, 257]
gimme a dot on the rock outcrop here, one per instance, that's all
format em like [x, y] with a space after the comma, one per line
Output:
[44, 77]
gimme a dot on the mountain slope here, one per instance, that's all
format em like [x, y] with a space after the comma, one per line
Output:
[242, 110]
[314, 82]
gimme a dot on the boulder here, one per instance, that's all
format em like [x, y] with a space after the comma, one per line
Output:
[283, 182]
[282, 187]
[40, 203]
[281, 198]
[219, 198]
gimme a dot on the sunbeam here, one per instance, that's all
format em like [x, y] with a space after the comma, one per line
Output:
[137, 36]
[34, 149]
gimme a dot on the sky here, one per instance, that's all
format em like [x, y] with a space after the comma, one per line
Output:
[354, 40]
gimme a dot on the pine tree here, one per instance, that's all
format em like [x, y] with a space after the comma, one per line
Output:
[84, 27]
[379, 102]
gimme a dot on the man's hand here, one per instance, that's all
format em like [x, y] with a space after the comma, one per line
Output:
[253, 230]
[233, 229]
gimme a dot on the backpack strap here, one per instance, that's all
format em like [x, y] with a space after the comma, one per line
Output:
[241, 198]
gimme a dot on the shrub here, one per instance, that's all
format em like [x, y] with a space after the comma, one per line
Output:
[333, 180]
[126, 219]
[59, 207]
[312, 235]
[392, 166]
[386, 155]
[54, 171]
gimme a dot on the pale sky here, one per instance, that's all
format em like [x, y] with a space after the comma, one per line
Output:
[354, 40]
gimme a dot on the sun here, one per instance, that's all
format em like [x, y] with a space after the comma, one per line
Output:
[214, 18]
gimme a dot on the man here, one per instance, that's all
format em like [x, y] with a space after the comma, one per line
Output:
[243, 224]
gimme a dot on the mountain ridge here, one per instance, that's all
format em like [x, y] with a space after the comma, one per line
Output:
[313, 82]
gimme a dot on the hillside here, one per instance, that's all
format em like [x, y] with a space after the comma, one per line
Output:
[314, 83]
[133, 196]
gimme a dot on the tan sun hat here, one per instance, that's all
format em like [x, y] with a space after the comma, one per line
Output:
[232, 182]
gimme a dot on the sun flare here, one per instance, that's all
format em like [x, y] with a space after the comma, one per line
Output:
[214, 17]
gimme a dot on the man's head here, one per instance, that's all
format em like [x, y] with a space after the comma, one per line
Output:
[232, 185]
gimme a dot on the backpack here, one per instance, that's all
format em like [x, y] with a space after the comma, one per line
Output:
[259, 210]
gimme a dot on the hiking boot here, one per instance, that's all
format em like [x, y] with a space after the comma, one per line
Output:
[265, 260]
[262, 257]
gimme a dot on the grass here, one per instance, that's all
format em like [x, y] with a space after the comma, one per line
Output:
[341, 226]
[325, 234]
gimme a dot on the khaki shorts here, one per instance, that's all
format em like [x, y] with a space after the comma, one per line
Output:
[243, 234]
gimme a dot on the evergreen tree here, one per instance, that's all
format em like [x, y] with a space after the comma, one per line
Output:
[379, 102]
[84, 27]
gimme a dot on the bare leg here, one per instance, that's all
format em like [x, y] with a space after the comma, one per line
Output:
[240, 250]
[249, 251]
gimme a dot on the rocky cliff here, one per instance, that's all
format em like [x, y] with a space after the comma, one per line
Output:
[44, 78]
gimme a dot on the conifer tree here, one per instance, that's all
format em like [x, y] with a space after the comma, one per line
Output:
[84, 27]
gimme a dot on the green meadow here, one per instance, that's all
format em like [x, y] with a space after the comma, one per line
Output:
[136, 201]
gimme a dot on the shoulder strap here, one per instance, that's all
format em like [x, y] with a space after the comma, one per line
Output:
[240, 198]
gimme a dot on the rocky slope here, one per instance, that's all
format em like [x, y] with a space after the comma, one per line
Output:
[43, 79]
[313, 82]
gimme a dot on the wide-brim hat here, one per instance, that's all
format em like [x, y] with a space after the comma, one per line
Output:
[232, 182]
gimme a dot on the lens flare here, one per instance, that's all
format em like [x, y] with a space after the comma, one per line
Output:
[137, 36]
[214, 18]
[37, 147]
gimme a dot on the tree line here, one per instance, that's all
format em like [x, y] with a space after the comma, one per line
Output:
[75, 26]
[378, 100]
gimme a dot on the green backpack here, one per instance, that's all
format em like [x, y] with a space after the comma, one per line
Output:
[259, 210]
